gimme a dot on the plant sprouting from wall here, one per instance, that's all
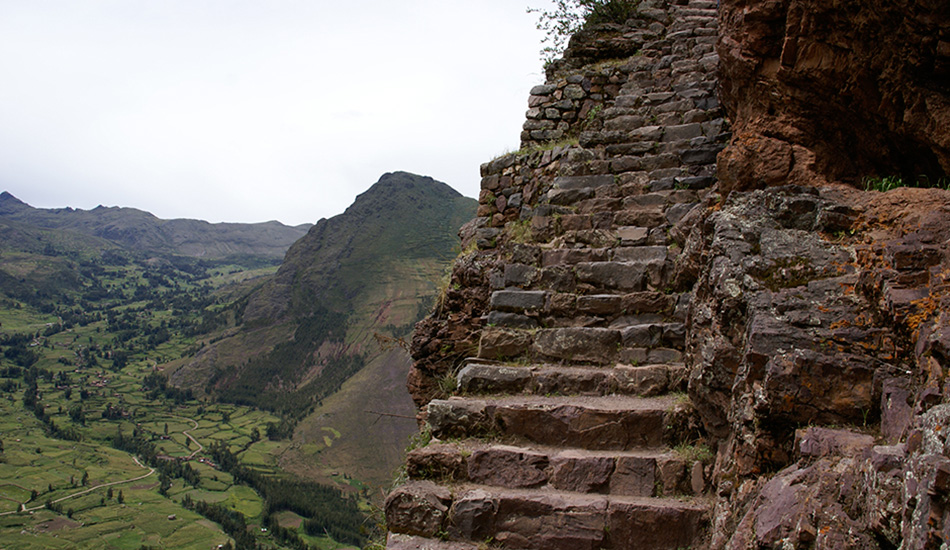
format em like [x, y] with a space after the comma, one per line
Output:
[570, 16]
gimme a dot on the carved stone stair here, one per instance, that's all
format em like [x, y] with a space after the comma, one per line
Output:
[538, 519]
[564, 431]
[478, 377]
[602, 422]
[640, 473]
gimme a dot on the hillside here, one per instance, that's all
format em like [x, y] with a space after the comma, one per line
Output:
[372, 270]
[141, 231]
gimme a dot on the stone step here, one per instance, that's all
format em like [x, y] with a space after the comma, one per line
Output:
[537, 519]
[622, 267]
[645, 381]
[629, 274]
[622, 341]
[638, 473]
[396, 541]
[631, 270]
[636, 250]
[636, 308]
[598, 423]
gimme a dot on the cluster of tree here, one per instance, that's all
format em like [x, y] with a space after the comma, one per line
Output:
[326, 510]
[254, 385]
[141, 443]
[113, 412]
[31, 402]
[17, 349]
[231, 521]
[155, 385]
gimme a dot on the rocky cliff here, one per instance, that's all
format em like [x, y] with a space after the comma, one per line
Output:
[664, 335]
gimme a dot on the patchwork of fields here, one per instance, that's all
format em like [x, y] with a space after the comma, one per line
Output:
[70, 389]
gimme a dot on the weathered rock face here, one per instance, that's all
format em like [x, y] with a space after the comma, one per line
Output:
[822, 307]
[834, 91]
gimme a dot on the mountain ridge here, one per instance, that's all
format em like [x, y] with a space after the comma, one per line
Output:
[313, 332]
[142, 230]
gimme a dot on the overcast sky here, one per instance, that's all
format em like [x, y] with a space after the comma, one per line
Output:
[255, 110]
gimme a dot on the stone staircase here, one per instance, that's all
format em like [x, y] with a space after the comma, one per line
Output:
[570, 429]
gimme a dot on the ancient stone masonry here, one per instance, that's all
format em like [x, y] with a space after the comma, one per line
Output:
[551, 378]
[652, 341]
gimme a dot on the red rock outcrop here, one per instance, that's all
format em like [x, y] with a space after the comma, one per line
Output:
[823, 91]
[824, 306]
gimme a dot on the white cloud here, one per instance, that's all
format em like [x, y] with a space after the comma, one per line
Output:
[239, 110]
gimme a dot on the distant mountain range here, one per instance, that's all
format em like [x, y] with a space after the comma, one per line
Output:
[141, 231]
[316, 342]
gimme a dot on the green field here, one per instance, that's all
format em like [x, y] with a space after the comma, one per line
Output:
[76, 373]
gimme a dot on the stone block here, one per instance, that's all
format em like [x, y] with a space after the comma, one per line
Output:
[667, 525]
[641, 217]
[455, 417]
[543, 89]
[479, 378]
[647, 380]
[472, 515]
[599, 304]
[558, 278]
[396, 541]
[583, 182]
[417, 508]
[655, 255]
[705, 155]
[614, 275]
[574, 91]
[499, 343]
[436, 461]
[697, 478]
[505, 466]
[672, 473]
[561, 304]
[550, 522]
[569, 196]
[573, 381]
[518, 300]
[646, 133]
[664, 355]
[683, 131]
[582, 473]
[597, 345]
[520, 274]
[644, 336]
[649, 302]
[634, 476]
[632, 235]
[511, 320]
